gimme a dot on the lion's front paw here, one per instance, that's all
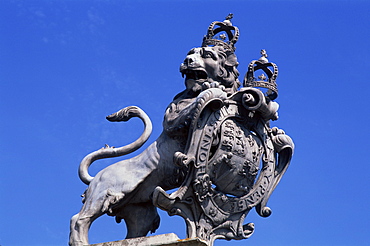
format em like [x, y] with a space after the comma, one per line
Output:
[207, 85]
[217, 85]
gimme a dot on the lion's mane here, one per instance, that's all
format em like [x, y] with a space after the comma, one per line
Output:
[229, 73]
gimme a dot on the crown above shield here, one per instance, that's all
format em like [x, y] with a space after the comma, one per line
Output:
[222, 34]
[268, 77]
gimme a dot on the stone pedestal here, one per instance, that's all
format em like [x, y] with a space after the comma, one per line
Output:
[169, 239]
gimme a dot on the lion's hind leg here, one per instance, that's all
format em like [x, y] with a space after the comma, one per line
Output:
[80, 224]
[140, 218]
[95, 205]
[77, 237]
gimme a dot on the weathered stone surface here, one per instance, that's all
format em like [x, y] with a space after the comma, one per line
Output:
[217, 148]
[186, 242]
[169, 239]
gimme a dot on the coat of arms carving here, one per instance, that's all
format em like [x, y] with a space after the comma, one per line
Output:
[217, 148]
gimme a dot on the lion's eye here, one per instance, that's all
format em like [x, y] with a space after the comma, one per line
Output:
[208, 54]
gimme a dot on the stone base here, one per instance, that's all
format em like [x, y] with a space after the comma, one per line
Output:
[169, 239]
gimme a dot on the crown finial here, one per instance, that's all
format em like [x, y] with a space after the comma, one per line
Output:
[263, 57]
[228, 18]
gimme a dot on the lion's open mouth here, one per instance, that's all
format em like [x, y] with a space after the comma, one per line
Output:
[194, 74]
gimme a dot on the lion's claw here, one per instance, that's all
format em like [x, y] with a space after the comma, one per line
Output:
[205, 86]
[215, 84]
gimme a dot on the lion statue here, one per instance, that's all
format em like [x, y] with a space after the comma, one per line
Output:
[124, 189]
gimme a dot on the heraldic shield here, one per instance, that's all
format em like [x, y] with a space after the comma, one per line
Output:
[234, 162]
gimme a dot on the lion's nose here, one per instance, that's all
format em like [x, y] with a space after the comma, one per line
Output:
[189, 60]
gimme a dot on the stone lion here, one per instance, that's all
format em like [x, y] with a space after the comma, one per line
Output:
[124, 189]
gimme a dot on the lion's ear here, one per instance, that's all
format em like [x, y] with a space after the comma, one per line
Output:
[231, 60]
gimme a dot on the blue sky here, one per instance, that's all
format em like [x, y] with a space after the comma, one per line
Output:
[65, 65]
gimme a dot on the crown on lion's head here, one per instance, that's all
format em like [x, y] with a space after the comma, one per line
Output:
[222, 34]
[215, 60]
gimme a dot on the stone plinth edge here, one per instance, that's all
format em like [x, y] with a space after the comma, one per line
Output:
[169, 239]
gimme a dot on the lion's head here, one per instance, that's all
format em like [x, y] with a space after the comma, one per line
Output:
[210, 64]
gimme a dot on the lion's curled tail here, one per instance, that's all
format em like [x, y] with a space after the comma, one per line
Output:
[123, 115]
